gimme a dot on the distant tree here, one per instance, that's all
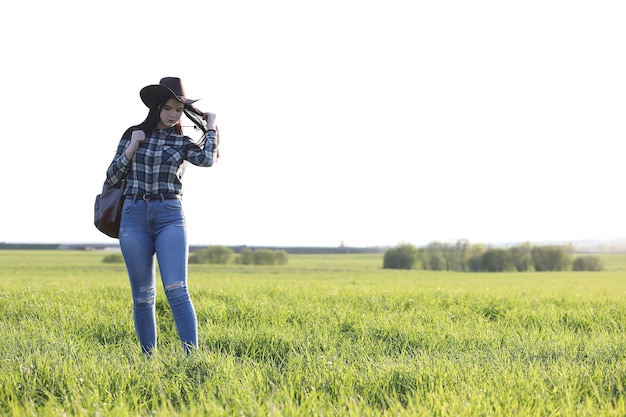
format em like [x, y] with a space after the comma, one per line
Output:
[475, 263]
[476, 249]
[264, 257]
[549, 258]
[113, 258]
[449, 256]
[436, 262]
[212, 255]
[432, 257]
[587, 263]
[491, 260]
[462, 249]
[437, 256]
[282, 258]
[246, 257]
[474, 257]
[521, 257]
[402, 256]
[455, 255]
[496, 260]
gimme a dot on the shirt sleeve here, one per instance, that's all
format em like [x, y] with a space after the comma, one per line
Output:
[120, 166]
[203, 156]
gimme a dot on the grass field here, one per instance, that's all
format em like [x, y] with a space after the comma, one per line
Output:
[324, 335]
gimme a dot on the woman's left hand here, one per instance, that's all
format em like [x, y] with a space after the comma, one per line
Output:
[210, 120]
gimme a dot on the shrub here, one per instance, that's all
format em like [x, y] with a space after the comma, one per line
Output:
[281, 257]
[439, 256]
[587, 263]
[113, 258]
[475, 263]
[549, 258]
[400, 257]
[492, 260]
[246, 257]
[432, 256]
[521, 257]
[496, 260]
[264, 257]
[434, 262]
[212, 255]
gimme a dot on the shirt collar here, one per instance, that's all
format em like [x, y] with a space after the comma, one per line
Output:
[167, 130]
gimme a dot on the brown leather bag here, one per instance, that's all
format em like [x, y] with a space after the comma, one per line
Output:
[108, 209]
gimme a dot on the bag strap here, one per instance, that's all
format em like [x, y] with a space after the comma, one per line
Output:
[118, 202]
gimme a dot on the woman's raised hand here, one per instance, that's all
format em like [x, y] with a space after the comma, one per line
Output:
[210, 120]
[136, 138]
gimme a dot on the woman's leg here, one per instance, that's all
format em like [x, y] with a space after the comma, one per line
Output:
[172, 253]
[138, 250]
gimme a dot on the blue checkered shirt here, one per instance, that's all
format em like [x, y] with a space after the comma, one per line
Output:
[157, 166]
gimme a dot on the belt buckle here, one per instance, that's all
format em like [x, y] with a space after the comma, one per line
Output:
[145, 197]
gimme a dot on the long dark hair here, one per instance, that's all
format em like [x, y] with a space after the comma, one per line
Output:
[195, 115]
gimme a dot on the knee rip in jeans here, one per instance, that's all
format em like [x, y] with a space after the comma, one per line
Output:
[176, 293]
[175, 286]
[146, 295]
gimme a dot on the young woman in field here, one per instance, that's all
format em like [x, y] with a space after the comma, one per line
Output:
[151, 156]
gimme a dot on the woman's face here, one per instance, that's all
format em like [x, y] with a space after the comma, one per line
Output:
[170, 114]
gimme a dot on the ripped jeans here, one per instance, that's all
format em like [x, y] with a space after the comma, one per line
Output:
[157, 227]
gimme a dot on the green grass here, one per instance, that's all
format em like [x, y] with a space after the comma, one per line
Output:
[323, 335]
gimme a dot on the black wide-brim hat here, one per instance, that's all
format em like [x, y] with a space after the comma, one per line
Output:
[170, 87]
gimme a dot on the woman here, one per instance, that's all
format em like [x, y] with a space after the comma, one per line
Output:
[151, 156]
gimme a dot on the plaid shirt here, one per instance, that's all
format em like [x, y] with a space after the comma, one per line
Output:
[157, 166]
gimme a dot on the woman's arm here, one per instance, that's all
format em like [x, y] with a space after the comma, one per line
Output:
[204, 156]
[121, 162]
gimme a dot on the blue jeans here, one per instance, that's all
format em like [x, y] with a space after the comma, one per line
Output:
[157, 227]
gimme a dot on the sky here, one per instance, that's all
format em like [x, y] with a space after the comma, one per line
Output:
[362, 123]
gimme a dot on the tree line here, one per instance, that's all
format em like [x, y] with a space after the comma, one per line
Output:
[466, 257]
[224, 255]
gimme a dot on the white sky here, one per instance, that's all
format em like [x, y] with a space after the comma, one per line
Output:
[368, 123]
